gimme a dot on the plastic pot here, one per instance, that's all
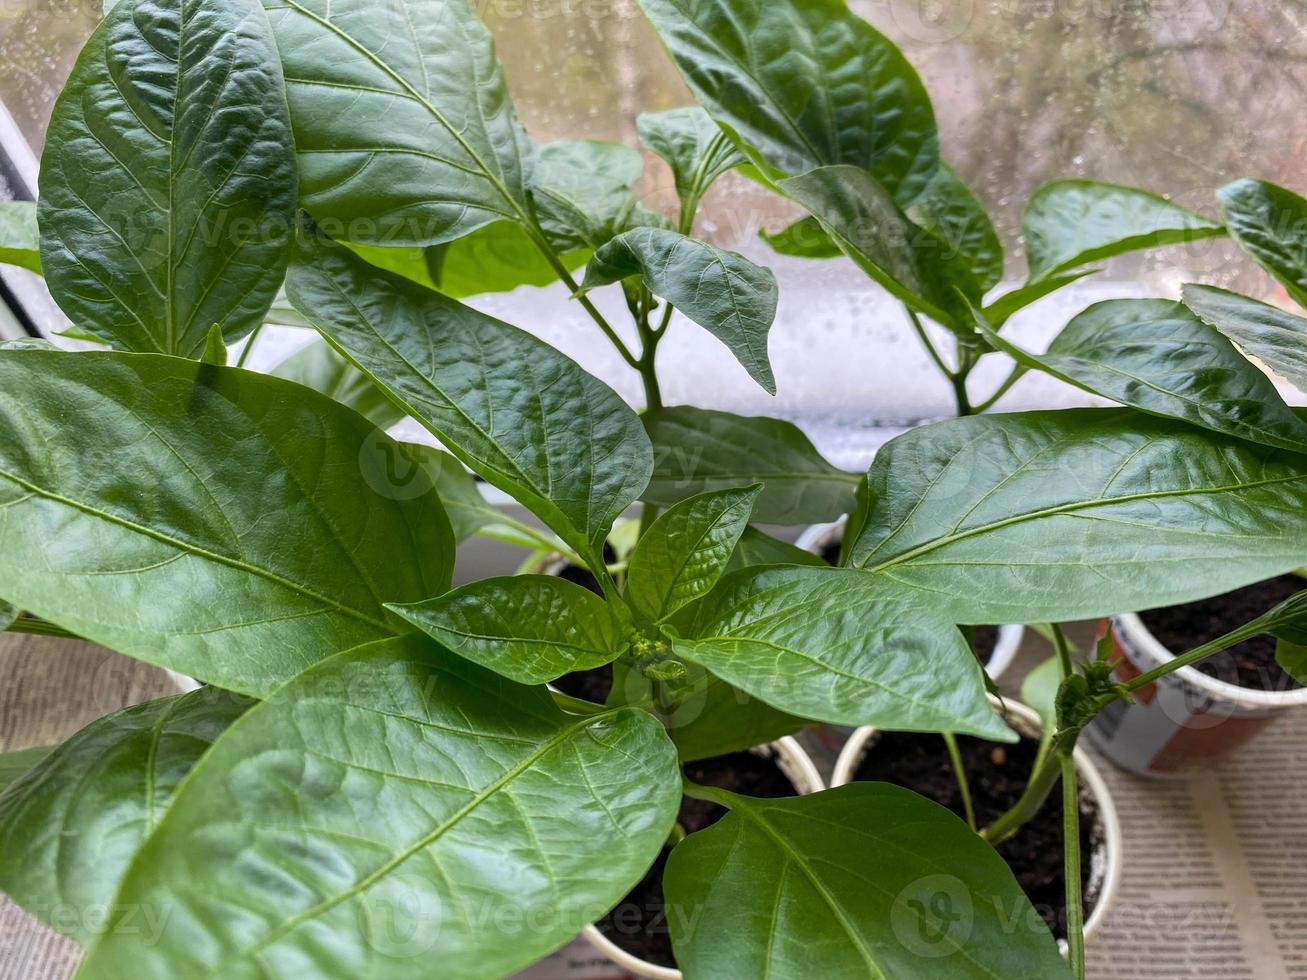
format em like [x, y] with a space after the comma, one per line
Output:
[1183, 721]
[795, 764]
[819, 536]
[1105, 858]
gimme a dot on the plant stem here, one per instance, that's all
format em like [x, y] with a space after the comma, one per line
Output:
[1041, 783]
[575, 705]
[39, 627]
[1017, 374]
[676, 836]
[925, 342]
[709, 793]
[955, 754]
[249, 344]
[1075, 912]
[1063, 648]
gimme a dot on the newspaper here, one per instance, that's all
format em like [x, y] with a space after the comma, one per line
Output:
[1215, 882]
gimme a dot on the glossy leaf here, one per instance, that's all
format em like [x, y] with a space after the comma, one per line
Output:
[1156, 356]
[713, 718]
[685, 551]
[529, 628]
[757, 548]
[19, 239]
[910, 262]
[840, 646]
[467, 507]
[697, 450]
[1270, 223]
[1276, 338]
[1069, 223]
[318, 366]
[582, 192]
[867, 880]
[227, 525]
[364, 820]
[405, 130]
[415, 262]
[725, 293]
[805, 84]
[495, 259]
[20, 762]
[1039, 691]
[70, 827]
[168, 179]
[1292, 658]
[950, 210]
[694, 146]
[1059, 516]
[516, 411]
[805, 239]
[1014, 301]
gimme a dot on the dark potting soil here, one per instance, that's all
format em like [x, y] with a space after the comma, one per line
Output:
[1249, 664]
[997, 775]
[986, 637]
[639, 922]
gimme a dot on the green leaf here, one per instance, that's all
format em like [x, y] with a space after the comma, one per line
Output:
[1059, 516]
[713, 718]
[582, 192]
[685, 551]
[950, 209]
[1292, 658]
[867, 880]
[9, 614]
[697, 450]
[70, 828]
[318, 366]
[1270, 224]
[168, 179]
[467, 507]
[1288, 620]
[1039, 691]
[805, 84]
[516, 411]
[496, 259]
[1069, 223]
[1276, 338]
[394, 811]
[757, 548]
[404, 126]
[220, 523]
[215, 348]
[726, 294]
[1013, 302]
[840, 646]
[912, 263]
[694, 146]
[413, 262]
[1156, 356]
[532, 629]
[19, 240]
[19, 763]
[805, 239]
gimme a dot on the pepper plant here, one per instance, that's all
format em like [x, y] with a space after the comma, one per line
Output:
[374, 778]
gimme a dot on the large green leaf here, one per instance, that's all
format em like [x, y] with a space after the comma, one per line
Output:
[495, 259]
[70, 827]
[405, 130]
[582, 192]
[725, 293]
[224, 524]
[529, 628]
[804, 239]
[840, 646]
[1276, 338]
[950, 209]
[805, 84]
[914, 264]
[697, 450]
[1056, 516]
[318, 366]
[19, 239]
[1270, 223]
[867, 880]
[393, 812]
[20, 762]
[1069, 223]
[694, 146]
[416, 262]
[168, 179]
[467, 507]
[685, 551]
[516, 411]
[1154, 355]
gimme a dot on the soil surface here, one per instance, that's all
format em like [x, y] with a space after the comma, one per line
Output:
[639, 924]
[997, 775]
[1250, 664]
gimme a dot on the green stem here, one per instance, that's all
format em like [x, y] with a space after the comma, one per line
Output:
[39, 627]
[955, 754]
[575, 705]
[1041, 783]
[1017, 374]
[709, 793]
[1063, 648]
[925, 342]
[676, 836]
[249, 344]
[1075, 912]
